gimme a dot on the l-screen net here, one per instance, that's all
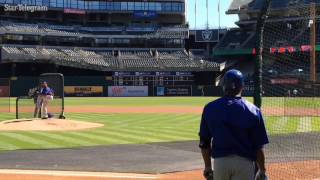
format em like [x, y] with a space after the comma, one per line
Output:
[291, 90]
[25, 105]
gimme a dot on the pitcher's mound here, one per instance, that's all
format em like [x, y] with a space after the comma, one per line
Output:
[46, 125]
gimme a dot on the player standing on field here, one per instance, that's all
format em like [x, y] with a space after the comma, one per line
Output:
[35, 94]
[46, 96]
[232, 131]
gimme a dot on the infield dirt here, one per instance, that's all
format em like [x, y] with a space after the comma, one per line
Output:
[303, 170]
[46, 125]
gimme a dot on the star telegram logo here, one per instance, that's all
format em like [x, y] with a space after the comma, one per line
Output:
[24, 8]
[206, 35]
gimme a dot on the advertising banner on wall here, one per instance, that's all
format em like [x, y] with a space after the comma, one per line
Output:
[285, 81]
[81, 91]
[74, 11]
[174, 91]
[128, 91]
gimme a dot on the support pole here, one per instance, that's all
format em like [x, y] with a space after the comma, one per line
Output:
[219, 20]
[207, 7]
[257, 97]
[313, 35]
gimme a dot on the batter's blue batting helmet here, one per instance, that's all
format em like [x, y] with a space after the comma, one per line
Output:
[233, 80]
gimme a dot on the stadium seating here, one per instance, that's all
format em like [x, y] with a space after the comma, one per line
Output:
[234, 39]
[21, 27]
[60, 32]
[33, 52]
[180, 32]
[37, 29]
[105, 59]
[292, 36]
[181, 59]
[55, 53]
[139, 28]
[13, 50]
[140, 59]
[111, 30]
[169, 60]
[251, 42]
[177, 32]
[202, 60]
[109, 58]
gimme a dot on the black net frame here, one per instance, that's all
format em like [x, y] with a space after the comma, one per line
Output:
[287, 83]
[25, 104]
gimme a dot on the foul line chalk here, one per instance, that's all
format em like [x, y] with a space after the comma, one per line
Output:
[78, 174]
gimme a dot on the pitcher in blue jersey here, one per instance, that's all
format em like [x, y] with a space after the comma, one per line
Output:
[233, 133]
[46, 96]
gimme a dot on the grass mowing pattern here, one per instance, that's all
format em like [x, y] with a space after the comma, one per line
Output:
[118, 129]
[274, 102]
[136, 128]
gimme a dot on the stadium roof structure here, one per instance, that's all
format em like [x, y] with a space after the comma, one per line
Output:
[238, 5]
[254, 6]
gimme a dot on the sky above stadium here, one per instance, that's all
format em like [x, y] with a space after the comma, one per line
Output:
[201, 15]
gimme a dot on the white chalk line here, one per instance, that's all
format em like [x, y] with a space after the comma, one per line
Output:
[78, 174]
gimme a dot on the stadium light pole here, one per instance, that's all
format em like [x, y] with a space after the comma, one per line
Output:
[186, 12]
[219, 20]
[195, 14]
[207, 7]
[262, 16]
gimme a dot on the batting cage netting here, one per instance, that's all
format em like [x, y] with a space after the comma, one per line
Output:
[291, 90]
[25, 105]
[4, 95]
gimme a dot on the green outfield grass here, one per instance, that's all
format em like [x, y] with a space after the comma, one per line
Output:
[142, 128]
[188, 101]
[306, 102]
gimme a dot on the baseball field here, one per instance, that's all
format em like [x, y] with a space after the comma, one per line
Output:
[145, 120]
[151, 120]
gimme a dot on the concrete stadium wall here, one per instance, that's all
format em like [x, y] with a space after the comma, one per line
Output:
[20, 85]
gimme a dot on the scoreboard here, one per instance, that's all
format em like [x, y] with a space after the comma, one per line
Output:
[152, 78]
